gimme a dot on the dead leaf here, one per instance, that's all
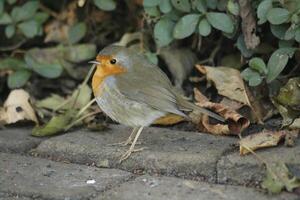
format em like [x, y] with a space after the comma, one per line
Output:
[228, 82]
[248, 24]
[169, 119]
[279, 177]
[295, 124]
[236, 122]
[261, 140]
[180, 63]
[17, 108]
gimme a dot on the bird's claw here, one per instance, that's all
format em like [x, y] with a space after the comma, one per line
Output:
[129, 152]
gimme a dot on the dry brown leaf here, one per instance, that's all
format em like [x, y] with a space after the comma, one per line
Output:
[169, 119]
[236, 122]
[17, 108]
[248, 24]
[228, 82]
[261, 140]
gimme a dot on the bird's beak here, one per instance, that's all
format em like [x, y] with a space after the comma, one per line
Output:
[94, 62]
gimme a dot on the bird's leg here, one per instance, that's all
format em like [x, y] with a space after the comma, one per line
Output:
[131, 149]
[129, 140]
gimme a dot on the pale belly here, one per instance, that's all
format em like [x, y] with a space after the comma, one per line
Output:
[123, 110]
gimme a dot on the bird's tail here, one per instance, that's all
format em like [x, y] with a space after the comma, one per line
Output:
[190, 106]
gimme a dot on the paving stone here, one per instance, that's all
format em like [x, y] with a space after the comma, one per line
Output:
[4, 196]
[176, 153]
[236, 169]
[17, 140]
[43, 179]
[165, 188]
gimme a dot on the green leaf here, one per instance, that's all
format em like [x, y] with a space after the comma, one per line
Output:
[56, 125]
[25, 12]
[10, 30]
[279, 31]
[5, 19]
[182, 5]
[1, 7]
[233, 7]
[18, 78]
[106, 5]
[279, 177]
[258, 64]
[186, 26]
[278, 61]
[262, 11]
[285, 43]
[278, 15]
[12, 64]
[200, 5]
[80, 52]
[248, 73]
[150, 3]
[29, 28]
[204, 27]
[163, 30]
[41, 17]
[77, 32]
[152, 57]
[48, 70]
[220, 21]
[165, 6]
[242, 47]
[212, 4]
[255, 80]
[297, 35]
[290, 33]
[152, 11]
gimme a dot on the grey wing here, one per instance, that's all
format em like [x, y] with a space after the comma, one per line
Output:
[150, 92]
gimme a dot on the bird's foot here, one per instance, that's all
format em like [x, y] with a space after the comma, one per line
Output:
[124, 143]
[129, 152]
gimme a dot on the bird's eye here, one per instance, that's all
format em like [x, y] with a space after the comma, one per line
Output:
[113, 61]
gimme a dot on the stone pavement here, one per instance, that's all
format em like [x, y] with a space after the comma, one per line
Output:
[176, 165]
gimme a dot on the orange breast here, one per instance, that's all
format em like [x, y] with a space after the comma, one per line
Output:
[104, 70]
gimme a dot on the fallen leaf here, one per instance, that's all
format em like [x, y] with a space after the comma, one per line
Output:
[228, 82]
[17, 108]
[261, 140]
[295, 124]
[56, 125]
[279, 177]
[248, 24]
[236, 122]
[169, 119]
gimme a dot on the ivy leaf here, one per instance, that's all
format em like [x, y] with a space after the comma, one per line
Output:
[186, 26]
[182, 5]
[77, 32]
[18, 78]
[278, 15]
[150, 3]
[278, 61]
[220, 21]
[29, 28]
[5, 19]
[262, 11]
[10, 30]
[165, 6]
[106, 5]
[163, 30]
[253, 77]
[204, 27]
[258, 64]
[25, 12]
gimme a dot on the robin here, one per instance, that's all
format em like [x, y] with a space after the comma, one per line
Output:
[136, 93]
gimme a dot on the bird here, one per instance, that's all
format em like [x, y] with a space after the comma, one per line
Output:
[134, 92]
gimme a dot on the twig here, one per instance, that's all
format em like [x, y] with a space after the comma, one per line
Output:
[85, 107]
